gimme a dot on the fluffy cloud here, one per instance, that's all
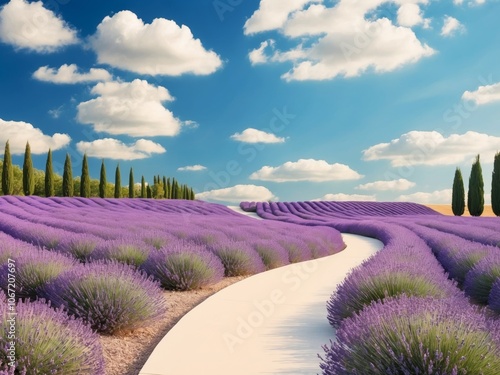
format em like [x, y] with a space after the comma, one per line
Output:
[393, 185]
[192, 168]
[109, 148]
[238, 194]
[273, 14]
[432, 148]
[410, 15]
[484, 94]
[341, 197]
[69, 74]
[31, 26]
[306, 170]
[258, 55]
[159, 48]
[436, 197]
[18, 133]
[252, 135]
[129, 108]
[470, 3]
[451, 26]
[343, 40]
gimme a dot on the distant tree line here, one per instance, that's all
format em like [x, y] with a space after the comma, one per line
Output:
[29, 181]
[475, 193]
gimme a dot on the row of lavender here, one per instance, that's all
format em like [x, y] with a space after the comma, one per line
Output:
[399, 312]
[102, 265]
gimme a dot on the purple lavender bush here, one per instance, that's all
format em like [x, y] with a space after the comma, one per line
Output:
[34, 269]
[410, 335]
[79, 246]
[480, 279]
[297, 249]
[108, 296]
[48, 341]
[238, 258]
[272, 254]
[184, 266]
[494, 297]
[127, 250]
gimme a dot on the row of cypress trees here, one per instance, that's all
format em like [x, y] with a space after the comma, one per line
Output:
[166, 188]
[475, 194]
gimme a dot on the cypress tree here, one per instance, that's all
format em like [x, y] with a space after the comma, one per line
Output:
[165, 188]
[174, 189]
[495, 186]
[68, 184]
[154, 180]
[131, 184]
[28, 175]
[7, 172]
[169, 189]
[49, 176]
[102, 181]
[475, 196]
[150, 194]
[143, 187]
[118, 182]
[193, 196]
[458, 195]
[85, 179]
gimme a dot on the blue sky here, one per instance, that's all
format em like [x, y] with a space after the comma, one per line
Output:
[249, 100]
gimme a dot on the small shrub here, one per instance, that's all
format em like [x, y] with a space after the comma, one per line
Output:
[157, 239]
[34, 269]
[494, 297]
[480, 279]
[272, 254]
[297, 249]
[48, 341]
[79, 246]
[238, 258]
[409, 335]
[125, 250]
[108, 296]
[184, 266]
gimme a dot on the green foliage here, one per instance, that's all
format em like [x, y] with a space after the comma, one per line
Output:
[495, 186]
[143, 187]
[67, 183]
[475, 197]
[102, 181]
[131, 184]
[49, 176]
[118, 183]
[165, 188]
[28, 177]
[458, 195]
[85, 179]
[7, 172]
[149, 192]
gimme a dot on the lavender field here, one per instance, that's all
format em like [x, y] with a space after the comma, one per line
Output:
[426, 304]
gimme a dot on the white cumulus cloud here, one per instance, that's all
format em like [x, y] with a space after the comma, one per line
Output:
[129, 108]
[392, 185]
[341, 197]
[30, 26]
[435, 197]
[432, 148]
[238, 193]
[159, 48]
[258, 55]
[19, 132]
[341, 40]
[484, 94]
[109, 148]
[451, 26]
[192, 168]
[68, 74]
[252, 135]
[306, 170]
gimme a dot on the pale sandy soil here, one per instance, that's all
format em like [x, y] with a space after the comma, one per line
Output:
[126, 354]
[445, 209]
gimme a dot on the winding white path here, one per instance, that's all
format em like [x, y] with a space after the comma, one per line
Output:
[271, 323]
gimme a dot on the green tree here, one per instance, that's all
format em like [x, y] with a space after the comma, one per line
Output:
[143, 187]
[7, 172]
[458, 195]
[165, 188]
[475, 195]
[68, 185]
[149, 192]
[28, 176]
[49, 176]
[102, 181]
[85, 179]
[495, 185]
[118, 182]
[131, 184]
